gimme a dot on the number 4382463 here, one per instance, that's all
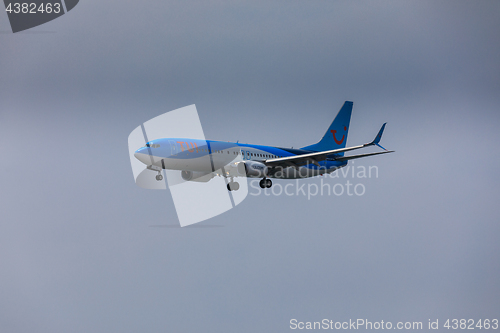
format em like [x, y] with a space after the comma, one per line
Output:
[32, 8]
[470, 324]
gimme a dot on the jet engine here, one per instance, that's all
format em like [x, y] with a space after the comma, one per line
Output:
[252, 169]
[195, 176]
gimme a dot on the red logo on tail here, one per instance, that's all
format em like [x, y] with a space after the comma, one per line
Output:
[335, 139]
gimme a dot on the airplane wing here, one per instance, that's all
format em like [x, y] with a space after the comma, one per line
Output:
[353, 157]
[314, 158]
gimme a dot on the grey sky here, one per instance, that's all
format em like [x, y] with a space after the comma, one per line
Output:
[83, 249]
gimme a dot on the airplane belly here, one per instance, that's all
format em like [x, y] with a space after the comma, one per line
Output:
[201, 164]
[223, 161]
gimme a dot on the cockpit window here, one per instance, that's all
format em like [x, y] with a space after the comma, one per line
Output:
[152, 145]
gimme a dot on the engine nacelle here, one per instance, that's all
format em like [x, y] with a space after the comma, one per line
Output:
[195, 176]
[252, 169]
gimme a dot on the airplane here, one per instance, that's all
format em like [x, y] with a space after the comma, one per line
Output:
[202, 160]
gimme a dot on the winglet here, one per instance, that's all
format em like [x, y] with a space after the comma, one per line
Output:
[378, 137]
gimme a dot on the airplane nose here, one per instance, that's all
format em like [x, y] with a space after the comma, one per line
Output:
[142, 155]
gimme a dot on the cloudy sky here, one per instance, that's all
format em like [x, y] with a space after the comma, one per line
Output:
[83, 249]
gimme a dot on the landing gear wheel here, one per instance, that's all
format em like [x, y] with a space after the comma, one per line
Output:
[233, 186]
[159, 177]
[265, 183]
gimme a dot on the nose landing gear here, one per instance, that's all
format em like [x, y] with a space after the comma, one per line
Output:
[156, 168]
[265, 183]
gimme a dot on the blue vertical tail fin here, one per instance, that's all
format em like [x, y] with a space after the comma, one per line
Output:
[336, 135]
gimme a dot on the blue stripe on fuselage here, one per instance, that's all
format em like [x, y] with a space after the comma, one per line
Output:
[183, 148]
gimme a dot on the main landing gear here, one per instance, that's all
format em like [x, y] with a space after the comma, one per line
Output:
[233, 186]
[159, 177]
[265, 183]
